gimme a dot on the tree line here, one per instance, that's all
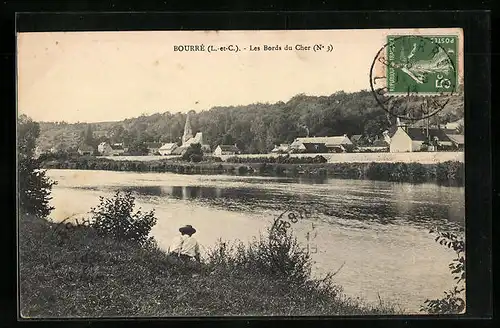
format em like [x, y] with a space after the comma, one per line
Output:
[254, 128]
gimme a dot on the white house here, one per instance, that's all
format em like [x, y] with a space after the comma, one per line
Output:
[106, 149]
[332, 144]
[226, 150]
[407, 139]
[167, 149]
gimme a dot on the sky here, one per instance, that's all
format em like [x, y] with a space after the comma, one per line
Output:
[110, 76]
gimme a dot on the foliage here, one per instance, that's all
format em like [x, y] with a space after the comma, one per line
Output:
[282, 159]
[34, 186]
[115, 217]
[194, 153]
[88, 137]
[453, 301]
[255, 128]
[137, 148]
[277, 254]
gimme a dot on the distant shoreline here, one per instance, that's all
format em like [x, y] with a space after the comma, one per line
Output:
[366, 157]
[445, 173]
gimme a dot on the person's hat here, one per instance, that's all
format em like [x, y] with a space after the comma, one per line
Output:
[187, 229]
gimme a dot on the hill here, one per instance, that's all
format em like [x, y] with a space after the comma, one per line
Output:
[255, 128]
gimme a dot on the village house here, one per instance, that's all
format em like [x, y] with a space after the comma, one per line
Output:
[86, 150]
[106, 149]
[153, 147]
[313, 147]
[281, 149]
[410, 139]
[167, 149]
[322, 144]
[226, 150]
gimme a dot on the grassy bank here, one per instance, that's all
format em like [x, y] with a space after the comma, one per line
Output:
[449, 173]
[77, 273]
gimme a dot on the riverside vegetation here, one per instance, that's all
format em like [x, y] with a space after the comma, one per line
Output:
[448, 173]
[111, 267]
[80, 272]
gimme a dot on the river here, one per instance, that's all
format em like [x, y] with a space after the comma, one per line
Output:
[377, 231]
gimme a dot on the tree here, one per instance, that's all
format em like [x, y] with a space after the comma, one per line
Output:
[34, 186]
[227, 139]
[89, 136]
[138, 148]
[194, 153]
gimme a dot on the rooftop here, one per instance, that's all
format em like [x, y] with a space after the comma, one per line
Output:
[168, 146]
[420, 134]
[329, 141]
[229, 148]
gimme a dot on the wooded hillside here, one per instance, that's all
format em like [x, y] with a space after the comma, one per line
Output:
[255, 128]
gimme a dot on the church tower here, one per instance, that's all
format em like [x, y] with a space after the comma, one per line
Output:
[188, 133]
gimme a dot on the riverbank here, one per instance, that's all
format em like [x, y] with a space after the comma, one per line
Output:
[76, 273]
[422, 157]
[446, 173]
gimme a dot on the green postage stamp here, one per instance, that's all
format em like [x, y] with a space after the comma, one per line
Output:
[422, 64]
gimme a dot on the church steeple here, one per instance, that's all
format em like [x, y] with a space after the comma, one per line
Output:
[188, 133]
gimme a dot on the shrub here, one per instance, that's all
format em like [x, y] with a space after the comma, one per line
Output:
[277, 254]
[242, 170]
[281, 159]
[453, 301]
[193, 154]
[115, 217]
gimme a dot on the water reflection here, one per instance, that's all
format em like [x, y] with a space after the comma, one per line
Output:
[310, 180]
[424, 206]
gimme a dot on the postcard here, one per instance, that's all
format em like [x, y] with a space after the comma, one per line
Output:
[241, 173]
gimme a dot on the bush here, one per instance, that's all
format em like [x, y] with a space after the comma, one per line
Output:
[193, 154]
[242, 170]
[281, 159]
[115, 217]
[277, 254]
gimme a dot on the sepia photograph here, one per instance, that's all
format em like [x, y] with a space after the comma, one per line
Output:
[241, 173]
